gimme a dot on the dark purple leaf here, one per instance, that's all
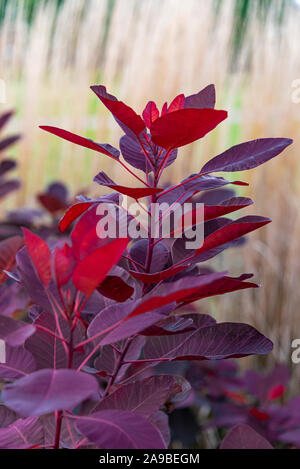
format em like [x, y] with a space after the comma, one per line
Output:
[197, 183]
[161, 422]
[247, 155]
[160, 255]
[5, 117]
[46, 391]
[14, 333]
[244, 437]
[171, 325]
[205, 99]
[9, 186]
[106, 360]
[8, 142]
[18, 363]
[215, 342]
[7, 416]
[22, 434]
[6, 166]
[115, 429]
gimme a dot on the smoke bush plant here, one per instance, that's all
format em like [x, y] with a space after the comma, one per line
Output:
[106, 311]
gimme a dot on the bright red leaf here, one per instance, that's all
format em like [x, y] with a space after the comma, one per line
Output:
[182, 127]
[40, 255]
[93, 269]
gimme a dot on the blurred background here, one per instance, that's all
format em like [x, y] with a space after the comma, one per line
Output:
[51, 51]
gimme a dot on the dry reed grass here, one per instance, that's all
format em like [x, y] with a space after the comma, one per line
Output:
[156, 49]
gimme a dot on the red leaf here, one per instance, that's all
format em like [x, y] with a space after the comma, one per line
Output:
[120, 111]
[176, 291]
[276, 392]
[64, 264]
[177, 103]
[72, 214]
[179, 128]
[232, 231]
[50, 203]
[220, 287]
[8, 250]
[40, 255]
[261, 416]
[228, 206]
[104, 148]
[236, 397]
[150, 114]
[135, 193]
[115, 288]
[158, 276]
[92, 270]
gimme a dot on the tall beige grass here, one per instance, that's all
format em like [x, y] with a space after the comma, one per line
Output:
[155, 49]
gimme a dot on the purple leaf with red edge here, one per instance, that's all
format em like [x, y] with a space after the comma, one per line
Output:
[167, 293]
[40, 255]
[244, 437]
[198, 182]
[220, 287]
[122, 113]
[85, 203]
[115, 429]
[103, 148]
[225, 207]
[247, 155]
[215, 342]
[148, 279]
[136, 193]
[93, 269]
[182, 127]
[46, 391]
[232, 231]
